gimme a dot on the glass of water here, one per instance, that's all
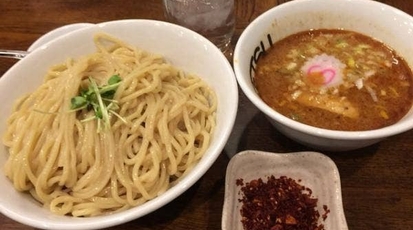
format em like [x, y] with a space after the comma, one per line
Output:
[214, 19]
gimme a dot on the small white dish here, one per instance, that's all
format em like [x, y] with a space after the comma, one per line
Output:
[315, 170]
[55, 33]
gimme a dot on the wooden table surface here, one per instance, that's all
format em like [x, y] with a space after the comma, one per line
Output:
[377, 181]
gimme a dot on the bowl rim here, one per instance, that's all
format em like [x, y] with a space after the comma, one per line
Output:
[214, 150]
[383, 132]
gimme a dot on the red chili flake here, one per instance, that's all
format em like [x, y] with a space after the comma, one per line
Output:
[326, 212]
[278, 204]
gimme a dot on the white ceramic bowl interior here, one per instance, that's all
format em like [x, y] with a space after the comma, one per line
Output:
[182, 47]
[55, 33]
[380, 21]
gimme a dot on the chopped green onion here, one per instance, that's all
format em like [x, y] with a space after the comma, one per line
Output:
[78, 102]
[100, 100]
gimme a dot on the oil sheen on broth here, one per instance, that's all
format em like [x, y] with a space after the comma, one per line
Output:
[335, 79]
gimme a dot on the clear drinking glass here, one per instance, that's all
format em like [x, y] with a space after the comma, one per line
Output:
[214, 19]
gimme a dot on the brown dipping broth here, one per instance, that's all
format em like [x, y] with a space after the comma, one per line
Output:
[376, 88]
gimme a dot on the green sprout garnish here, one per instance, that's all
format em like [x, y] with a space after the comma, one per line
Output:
[100, 100]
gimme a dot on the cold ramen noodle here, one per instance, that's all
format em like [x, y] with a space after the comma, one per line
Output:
[335, 79]
[108, 131]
